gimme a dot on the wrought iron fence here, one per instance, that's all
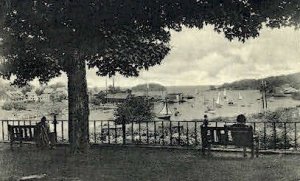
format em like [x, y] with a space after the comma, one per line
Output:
[272, 135]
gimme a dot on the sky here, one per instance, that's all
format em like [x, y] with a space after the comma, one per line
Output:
[204, 57]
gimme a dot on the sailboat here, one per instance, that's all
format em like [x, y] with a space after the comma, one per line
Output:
[165, 113]
[218, 102]
[224, 94]
[211, 110]
[240, 96]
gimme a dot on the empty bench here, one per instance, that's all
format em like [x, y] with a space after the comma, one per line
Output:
[21, 133]
[237, 136]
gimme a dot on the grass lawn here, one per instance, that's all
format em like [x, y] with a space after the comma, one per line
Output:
[120, 163]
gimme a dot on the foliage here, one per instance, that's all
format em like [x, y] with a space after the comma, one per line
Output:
[122, 36]
[7, 106]
[296, 95]
[19, 106]
[57, 85]
[96, 101]
[58, 96]
[39, 91]
[113, 89]
[151, 87]
[14, 105]
[134, 109]
[27, 88]
[272, 82]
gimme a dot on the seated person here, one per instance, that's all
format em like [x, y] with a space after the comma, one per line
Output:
[238, 137]
[44, 138]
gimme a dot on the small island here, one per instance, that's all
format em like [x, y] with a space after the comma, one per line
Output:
[149, 87]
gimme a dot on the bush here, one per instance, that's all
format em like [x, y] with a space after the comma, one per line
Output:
[96, 101]
[19, 106]
[14, 105]
[296, 95]
[134, 109]
[8, 106]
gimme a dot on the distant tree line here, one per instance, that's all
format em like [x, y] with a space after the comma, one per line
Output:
[150, 87]
[273, 82]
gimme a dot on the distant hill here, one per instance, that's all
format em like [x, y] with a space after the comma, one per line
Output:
[292, 80]
[152, 87]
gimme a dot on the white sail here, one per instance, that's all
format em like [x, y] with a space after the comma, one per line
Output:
[240, 96]
[224, 93]
[218, 99]
[165, 110]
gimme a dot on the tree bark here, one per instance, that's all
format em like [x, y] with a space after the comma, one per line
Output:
[78, 106]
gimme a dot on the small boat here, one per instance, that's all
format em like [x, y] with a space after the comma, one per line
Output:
[165, 113]
[210, 110]
[230, 103]
[189, 97]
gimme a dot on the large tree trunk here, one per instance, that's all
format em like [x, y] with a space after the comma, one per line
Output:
[78, 106]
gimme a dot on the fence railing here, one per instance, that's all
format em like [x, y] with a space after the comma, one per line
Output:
[272, 135]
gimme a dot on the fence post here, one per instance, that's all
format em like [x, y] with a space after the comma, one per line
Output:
[124, 130]
[274, 135]
[147, 132]
[2, 127]
[132, 139]
[295, 136]
[55, 127]
[196, 135]
[179, 137]
[170, 133]
[163, 132]
[285, 140]
[187, 133]
[154, 132]
[265, 135]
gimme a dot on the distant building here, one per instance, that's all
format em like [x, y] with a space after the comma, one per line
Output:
[117, 98]
[46, 95]
[16, 96]
[31, 96]
[175, 97]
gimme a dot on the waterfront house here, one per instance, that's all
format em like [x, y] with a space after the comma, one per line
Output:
[46, 95]
[117, 98]
[31, 97]
[175, 97]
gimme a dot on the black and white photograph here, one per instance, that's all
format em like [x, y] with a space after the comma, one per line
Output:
[160, 90]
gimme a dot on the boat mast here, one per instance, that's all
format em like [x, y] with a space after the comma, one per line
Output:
[167, 106]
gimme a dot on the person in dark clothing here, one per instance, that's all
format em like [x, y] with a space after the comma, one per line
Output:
[238, 136]
[44, 138]
[205, 121]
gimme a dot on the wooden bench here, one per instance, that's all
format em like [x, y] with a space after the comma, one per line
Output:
[24, 133]
[227, 135]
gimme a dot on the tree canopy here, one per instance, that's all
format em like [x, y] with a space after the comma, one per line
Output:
[120, 36]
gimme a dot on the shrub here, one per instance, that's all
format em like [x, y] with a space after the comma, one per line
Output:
[19, 106]
[134, 109]
[8, 106]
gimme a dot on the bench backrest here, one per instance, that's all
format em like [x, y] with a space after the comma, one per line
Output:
[22, 133]
[239, 136]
